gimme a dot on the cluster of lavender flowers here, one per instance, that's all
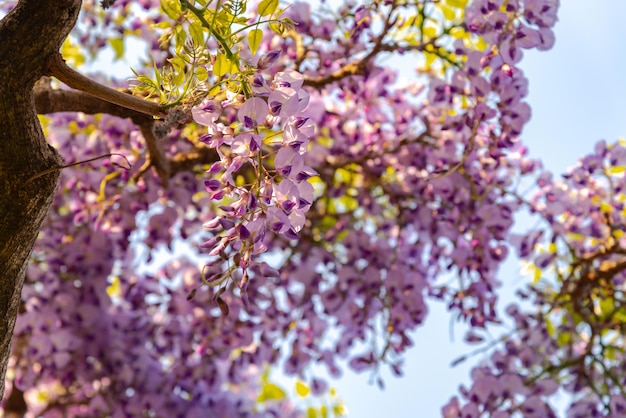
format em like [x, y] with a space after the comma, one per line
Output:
[368, 193]
[270, 142]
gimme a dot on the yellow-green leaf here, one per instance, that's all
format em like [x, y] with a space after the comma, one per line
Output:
[177, 63]
[255, 37]
[430, 59]
[114, 289]
[72, 53]
[278, 28]
[221, 65]
[302, 389]
[202, 74]
[171, 8]
[197, 34]
[606, 207]
[118, 46]
[340, 410]
[481, 44]
[617, 169]
[271, 392]
[324, 411]
[267, 7]
[609, 352]
[162, 25]
[536, 275]
[430, 32]
[563, 338]
[457, 3]
[448, 12]
[607, 306]
[457, 32]
[180, 36]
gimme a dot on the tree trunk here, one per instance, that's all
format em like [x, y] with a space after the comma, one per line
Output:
[30, 36]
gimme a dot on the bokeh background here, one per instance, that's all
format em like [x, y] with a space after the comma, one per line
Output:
[578, 96]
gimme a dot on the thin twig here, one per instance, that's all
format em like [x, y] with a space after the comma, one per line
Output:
[58, 168]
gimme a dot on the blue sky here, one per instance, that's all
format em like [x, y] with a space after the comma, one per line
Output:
[578, 96]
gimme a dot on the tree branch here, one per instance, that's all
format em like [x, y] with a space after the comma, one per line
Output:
[58, 68]
[49, 100]
[15, 405]
[359, 67]
[353, 68]
[186, 161]
[156, 156]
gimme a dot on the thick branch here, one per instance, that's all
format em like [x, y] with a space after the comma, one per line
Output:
[15, 406]
[60, 70]
[354, 68]
[156, 156]
[49, 100]
[187, 161]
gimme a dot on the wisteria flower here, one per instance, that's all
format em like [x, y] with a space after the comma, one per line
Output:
[207, 112]
[253, 112]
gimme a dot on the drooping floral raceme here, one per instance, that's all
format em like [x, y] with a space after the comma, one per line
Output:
[301, 203]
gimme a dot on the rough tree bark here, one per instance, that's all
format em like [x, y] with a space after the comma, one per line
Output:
[30, 38]
[31, 35]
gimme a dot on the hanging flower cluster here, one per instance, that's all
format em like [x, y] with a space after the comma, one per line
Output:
[261, 176]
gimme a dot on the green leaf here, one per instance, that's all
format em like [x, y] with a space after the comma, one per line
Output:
[255, 37]
[267, 7]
